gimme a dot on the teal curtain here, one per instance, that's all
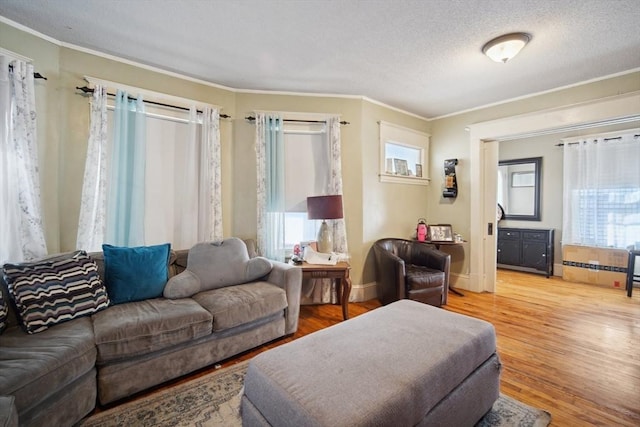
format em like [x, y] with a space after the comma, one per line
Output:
[271, 201]
[125, 203]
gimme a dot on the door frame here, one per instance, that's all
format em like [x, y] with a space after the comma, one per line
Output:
[482, 264]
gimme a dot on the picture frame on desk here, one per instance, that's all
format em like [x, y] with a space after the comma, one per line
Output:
[440, 233]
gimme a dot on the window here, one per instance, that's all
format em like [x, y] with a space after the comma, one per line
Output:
[152, 174]
[614, 219]
[403, 155]
[172, 176]
[602, 190]
[306, 174]
[313, 168]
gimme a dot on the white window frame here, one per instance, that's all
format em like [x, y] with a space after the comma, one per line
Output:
[392, 134]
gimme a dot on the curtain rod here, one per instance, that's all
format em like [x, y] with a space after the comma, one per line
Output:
[606, 139]
[253, 119]
[87, 90]
[36, 75]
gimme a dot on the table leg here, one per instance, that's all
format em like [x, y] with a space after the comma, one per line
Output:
[345, 284]
[455, 291]
[630, 272]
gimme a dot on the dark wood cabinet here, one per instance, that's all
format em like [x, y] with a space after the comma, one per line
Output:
[526, 249]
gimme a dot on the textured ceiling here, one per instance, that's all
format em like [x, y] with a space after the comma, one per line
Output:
[419, 56]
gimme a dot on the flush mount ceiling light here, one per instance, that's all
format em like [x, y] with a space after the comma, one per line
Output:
[503, 48]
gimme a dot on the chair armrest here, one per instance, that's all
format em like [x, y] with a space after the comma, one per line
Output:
[390, 275]
[428, 256]
[289, 278]
[8, 412]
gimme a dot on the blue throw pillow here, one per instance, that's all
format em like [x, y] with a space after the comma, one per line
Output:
[135, 274]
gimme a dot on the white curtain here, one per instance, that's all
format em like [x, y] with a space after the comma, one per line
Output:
[270, 185]
[91, 226]
[201, 173]
[21, 229]
[335, 182]
[210, 213]
[322, 290]
[602, 191]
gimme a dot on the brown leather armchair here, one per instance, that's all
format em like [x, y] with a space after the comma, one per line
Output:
[411, 269]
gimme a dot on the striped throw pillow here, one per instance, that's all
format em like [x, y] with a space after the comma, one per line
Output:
[54, 291]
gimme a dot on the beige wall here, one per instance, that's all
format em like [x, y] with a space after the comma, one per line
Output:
[388, 209]
[373, 209]
[450, 139]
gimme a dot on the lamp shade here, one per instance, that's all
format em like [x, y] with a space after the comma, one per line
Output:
[503, 48]
[324, 207]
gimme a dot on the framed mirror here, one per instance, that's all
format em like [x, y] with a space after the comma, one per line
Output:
[519, 188]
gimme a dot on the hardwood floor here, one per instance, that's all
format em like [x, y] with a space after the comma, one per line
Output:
[569, 348]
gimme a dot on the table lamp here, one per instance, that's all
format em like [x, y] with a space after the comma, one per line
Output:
[325, 207]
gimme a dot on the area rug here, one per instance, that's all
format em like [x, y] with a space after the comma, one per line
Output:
[214, 400]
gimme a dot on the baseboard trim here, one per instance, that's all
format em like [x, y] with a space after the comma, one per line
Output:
[367, 291]
[364, 292]
[459, 281]
[557, 270]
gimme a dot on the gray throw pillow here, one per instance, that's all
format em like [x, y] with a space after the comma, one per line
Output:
[182, 285]
[213, 265]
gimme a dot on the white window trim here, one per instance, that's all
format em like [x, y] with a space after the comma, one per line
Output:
[400, 135]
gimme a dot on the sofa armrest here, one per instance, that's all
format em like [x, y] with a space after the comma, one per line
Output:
[289, 278]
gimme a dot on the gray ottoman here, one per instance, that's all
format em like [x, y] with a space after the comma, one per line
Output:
[404, 364]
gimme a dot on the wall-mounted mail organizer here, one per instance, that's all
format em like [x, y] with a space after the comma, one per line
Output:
[450, 182]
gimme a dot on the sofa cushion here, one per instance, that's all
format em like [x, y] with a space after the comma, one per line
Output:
[216, 265]
[49, 292]
[136, 274]
[34, 367]
[236, 305]
[138, 328]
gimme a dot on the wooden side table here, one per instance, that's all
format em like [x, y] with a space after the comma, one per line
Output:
[340, 272]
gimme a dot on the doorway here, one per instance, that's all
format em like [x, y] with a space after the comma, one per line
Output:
[483, 166]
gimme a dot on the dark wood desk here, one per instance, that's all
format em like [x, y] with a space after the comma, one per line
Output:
[441, 243]
[340, 272]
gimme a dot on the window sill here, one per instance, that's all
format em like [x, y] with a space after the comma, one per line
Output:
[399, 179]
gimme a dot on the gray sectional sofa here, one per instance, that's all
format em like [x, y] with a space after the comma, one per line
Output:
[56, 376]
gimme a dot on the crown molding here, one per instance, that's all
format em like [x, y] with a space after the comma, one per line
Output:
[532, 95]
